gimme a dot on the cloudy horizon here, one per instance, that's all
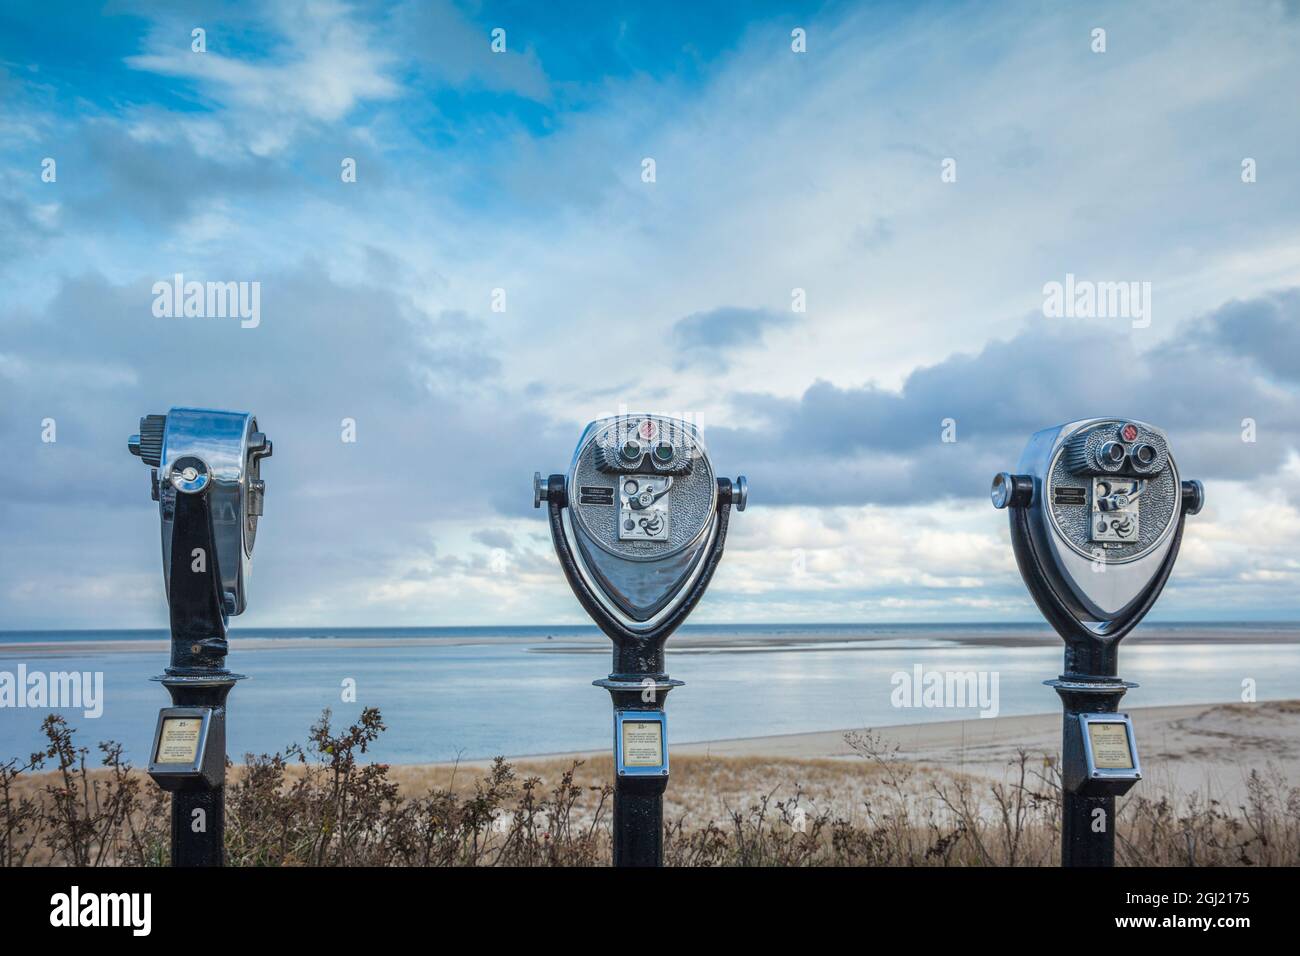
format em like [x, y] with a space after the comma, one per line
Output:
[834, 260]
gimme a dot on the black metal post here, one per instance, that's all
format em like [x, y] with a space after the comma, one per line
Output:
[638, 825]
[1087, 822]
[638, 683]
[1090, 684]
[199, 815]
[197, 675]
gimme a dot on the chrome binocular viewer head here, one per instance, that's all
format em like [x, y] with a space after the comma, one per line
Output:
[207, 481]
[1097, 513]
[639, 521]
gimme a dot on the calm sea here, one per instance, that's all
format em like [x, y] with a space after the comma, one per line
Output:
[486, 691]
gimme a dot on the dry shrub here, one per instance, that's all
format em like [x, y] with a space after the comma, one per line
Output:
[321, 805]
[80, 817]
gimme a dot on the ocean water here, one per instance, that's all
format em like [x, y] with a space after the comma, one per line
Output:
[516, 691]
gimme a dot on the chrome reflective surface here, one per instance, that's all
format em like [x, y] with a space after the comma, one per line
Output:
[619, 586]
[640, 573]
[691, 501]
[1097, 590]
[224, 442]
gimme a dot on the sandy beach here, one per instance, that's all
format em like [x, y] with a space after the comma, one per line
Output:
[1206, 750]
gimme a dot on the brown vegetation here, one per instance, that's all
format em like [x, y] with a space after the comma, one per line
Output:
[321, 805]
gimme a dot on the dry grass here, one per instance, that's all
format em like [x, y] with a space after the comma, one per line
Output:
[321, 804]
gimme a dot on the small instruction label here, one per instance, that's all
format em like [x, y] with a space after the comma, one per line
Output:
[179, 740]
[1110, 749]
[643, 743]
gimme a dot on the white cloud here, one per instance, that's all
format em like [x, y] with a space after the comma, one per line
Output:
[819, 172]
[329, 63]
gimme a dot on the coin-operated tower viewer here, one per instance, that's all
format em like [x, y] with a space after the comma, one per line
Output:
[639, 525]
[1097, 510]
[206, 478]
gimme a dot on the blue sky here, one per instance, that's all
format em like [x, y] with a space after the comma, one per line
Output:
[522, 171]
